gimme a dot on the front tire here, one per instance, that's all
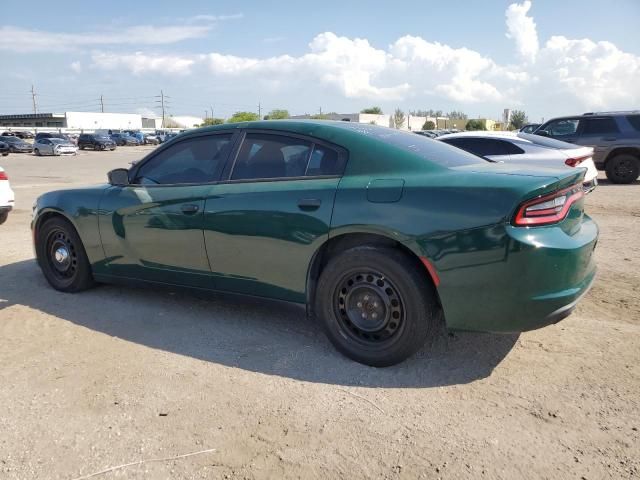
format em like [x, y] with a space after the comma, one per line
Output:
[62, 257]
[36, 152]
[623, 169]
[3, 217]
[376, 305]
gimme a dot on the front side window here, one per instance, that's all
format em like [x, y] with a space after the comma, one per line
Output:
[563, 127]
[196, 160]
[599, 126]
[264, 156]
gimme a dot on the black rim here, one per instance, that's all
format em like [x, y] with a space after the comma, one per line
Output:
[624, 168]
[61, 255]
[369, 308]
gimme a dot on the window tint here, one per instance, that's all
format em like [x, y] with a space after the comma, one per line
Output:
[271, 156]
[562, 127]
[634, 120]
[325, 161]
[512, 148]
[196, 160]
[599, 126]
[479, 146]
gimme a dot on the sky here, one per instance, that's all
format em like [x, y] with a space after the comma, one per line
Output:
[545, 57]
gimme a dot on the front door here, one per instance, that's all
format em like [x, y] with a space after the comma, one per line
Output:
[153, 229]
[263, 224]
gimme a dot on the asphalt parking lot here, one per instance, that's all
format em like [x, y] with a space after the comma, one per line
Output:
[117, 375]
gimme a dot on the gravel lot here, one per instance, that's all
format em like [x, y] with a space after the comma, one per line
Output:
[118, 375]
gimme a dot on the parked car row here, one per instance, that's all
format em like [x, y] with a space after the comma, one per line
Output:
[6, 196]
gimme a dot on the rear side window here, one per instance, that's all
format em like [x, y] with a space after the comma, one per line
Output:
[634, 120]
[266, 156]
[195, 160]
[599, 126]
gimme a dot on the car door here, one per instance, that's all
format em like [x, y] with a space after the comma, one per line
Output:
[152, 228]
[266, 220]
[601, 133]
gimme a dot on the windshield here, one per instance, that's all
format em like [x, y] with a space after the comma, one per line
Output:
[58, 140]
[425, 147]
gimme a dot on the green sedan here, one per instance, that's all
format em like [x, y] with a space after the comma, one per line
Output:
[382, 234]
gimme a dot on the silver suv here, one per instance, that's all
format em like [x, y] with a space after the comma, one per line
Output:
[614, 136]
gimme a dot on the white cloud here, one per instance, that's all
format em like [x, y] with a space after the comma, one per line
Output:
[25, 40]
[522, 29]
[138, 63]
[76, 66]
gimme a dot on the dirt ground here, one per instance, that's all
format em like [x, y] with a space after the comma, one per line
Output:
[117, 375]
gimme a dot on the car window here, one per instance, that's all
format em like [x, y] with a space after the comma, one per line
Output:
[196, 160]
[271, 156]
[599, 126]
[634, 120]
[511, 148]
[479, 146]
[562, 127]
[325, 161]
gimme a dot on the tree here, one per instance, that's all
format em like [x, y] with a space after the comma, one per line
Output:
[243, 117]
[277, 115]
[398, 118]
[212, 121]
[372, 110]
[518, 120]
[476, 125]
[429, 125]
[455, 115]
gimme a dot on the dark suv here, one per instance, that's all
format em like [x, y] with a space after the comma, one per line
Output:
[97, 142]
[614, 136]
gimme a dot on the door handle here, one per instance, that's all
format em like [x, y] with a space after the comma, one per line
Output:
[189, 208]
[309, 203]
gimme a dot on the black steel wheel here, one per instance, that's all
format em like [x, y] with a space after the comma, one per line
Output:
[377, 305]
[623, 168]
[62, 257]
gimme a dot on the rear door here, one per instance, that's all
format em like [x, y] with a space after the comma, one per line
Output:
[264, 222]
[601, 133]
[152, 228]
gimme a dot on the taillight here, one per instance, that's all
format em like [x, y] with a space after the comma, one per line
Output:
[548, 209]
[574, 162]
[3, 176]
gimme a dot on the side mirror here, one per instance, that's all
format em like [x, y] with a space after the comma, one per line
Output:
[118, 177]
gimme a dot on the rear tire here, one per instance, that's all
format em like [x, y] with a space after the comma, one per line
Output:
[3, 217]
[623, 168]
[62, 257]
[36, 152]
[376, 305]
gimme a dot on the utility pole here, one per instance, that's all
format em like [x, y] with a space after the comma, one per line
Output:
[101, 104]
[320, 111]
[33, 99]
[206, 114]
[211, 106]
[259, 111]
[163, 104]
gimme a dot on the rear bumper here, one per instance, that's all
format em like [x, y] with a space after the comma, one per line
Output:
[527, 279]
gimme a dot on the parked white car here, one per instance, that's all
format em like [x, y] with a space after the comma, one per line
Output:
[527, 149]
[7, 197]
[54, 146]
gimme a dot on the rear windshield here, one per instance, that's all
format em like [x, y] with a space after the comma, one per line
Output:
[425, 147]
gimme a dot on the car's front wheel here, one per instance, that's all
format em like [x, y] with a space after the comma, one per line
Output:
[623, 168]
[376, 305]
[36, 152]
[62, 257]
[3, 217]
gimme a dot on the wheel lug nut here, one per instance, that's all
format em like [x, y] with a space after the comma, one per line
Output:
[359, 304]
[374, 316]
[375, 304]
[366, 297]
[364, 315]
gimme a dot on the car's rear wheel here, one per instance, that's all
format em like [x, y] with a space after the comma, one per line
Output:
[62, 257]
[36, 152]
[623, 168]
[3, 217]
[376, 305]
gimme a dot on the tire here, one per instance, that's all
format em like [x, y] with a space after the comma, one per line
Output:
[81, 147]
[3, 217]
[62, 257]
[376, 305]
[623, 168]
[102, 147]
[36, 152]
